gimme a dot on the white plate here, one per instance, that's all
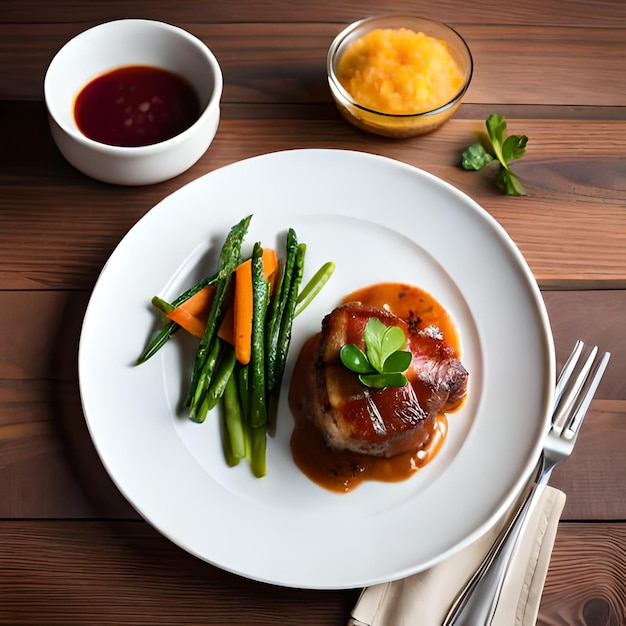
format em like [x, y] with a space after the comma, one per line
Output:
[379, 220]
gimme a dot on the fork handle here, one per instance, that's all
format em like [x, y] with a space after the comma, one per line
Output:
[477, 602]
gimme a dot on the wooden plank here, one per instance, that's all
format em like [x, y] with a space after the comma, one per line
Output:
[565, 12]
[594, 477]
[103, 572]
[547, 64]
[50, 468]
[590, 587]
[596, 317]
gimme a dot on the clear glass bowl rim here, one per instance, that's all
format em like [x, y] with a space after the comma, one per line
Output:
[369, 23]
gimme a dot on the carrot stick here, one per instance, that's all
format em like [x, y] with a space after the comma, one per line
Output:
[242, 307]
[193, 314]
[161, 336]
[242, 312]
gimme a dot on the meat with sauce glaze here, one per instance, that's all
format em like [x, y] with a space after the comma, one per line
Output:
[390, 421]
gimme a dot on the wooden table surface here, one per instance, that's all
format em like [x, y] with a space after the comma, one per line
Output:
[72, 550]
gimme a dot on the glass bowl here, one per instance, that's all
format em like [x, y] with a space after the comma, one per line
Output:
[398, 124]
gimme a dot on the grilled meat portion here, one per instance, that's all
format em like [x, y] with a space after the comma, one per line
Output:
[383, 422]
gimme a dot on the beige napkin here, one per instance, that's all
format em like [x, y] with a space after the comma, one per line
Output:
[425, 599]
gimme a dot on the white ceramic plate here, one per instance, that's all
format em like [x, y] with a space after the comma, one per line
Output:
[379, 220]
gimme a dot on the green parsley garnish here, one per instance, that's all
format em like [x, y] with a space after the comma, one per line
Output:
[384, 360]
[502, 148]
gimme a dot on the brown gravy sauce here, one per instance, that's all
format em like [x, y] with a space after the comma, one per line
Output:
[340, 470]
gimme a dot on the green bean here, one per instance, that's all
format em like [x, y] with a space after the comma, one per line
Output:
[277, 307]
[243, 387]
[284, 337]
[314, 286]
[223, 372]
[234, 418]
[260, 295]
[160, 337]
[227, 449]
[194, 290]
[258, 448]
[162, 305]
[211, 361]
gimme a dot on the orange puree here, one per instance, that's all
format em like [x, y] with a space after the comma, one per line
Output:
[396, 70]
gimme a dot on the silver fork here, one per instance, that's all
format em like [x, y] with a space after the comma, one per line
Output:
[477, 602]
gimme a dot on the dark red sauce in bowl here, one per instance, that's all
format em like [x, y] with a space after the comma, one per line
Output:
[136, 105]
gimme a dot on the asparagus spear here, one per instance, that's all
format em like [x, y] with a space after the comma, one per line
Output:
[260, 295]
[284, 336]
[212, 358]
[277, 307]
[233, 417]
[227, 449]
[258, 448]
[223, 372]
[229, 259]
[243, 386]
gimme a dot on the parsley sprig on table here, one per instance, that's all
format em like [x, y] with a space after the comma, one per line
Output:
[499, 147]
[383, 362]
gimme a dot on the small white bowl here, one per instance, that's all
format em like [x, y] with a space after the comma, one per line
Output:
[121, 43]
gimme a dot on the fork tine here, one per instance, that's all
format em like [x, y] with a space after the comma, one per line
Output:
[572, 430]
[566, 372]
[565, 409]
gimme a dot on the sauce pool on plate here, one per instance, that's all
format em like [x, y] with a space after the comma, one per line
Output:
[136, 105]
[340, 470]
